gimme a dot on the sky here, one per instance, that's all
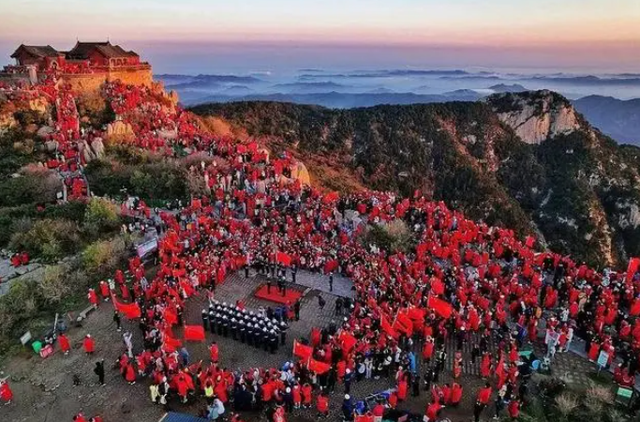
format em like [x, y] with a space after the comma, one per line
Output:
[193, 36]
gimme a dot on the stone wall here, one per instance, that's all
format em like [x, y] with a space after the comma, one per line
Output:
[93, 81]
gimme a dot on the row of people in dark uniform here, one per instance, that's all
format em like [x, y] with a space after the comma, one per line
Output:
[246, 326]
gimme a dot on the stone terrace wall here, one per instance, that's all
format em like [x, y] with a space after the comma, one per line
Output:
[93, 81]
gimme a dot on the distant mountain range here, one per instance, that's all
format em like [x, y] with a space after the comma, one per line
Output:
[616, 118]
[343, 100]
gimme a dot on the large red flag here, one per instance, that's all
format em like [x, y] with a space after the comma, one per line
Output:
[403, 323]
[387, 328]
[283, 258]
[442, 308]
[348, 341]
[130, 310]
[302, 351]
[170, 344]
[331, 265]
[318, 367]
[634, 263]
[170, 316]
[194, 333]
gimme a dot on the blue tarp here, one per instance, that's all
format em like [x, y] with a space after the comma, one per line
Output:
[181, 417]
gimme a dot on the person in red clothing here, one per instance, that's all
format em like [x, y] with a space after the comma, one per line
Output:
[96, 419]
[297, 396]
[402, 390]
[432, 411]
[65, 346]
[456, 394]
[514, 408]
[457, 364]
[484, 395]
[307, 395]
[104, 290]
[130, 374]
[322, 404]
[6, 395]
[378, 412]
[393, 400]
[213, 352]
[79, 418]
[89, 344]
[93, 298]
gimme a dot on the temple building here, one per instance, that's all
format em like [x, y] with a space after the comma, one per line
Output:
[86, 66]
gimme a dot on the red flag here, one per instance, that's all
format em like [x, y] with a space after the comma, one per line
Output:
[171, 344]
[283, 258]
[634, 263]
[442, 308]
[421, 249]
[330, 265]
[318, 367]
[416, 314]
[387, 328]
[302, 351]
[403, 323]
[194, 333]
[330, 197]
[130, 310]
[348, 341]
[170, 317]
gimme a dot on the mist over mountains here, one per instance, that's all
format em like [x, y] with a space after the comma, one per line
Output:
[606, 100]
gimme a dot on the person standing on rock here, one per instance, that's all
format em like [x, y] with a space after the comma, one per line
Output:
[99, 371]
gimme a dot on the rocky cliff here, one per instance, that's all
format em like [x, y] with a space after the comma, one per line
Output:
[524, 160]
[536, 117]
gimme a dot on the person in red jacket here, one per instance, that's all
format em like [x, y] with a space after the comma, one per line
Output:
[484, 395]
[79, 418]
[93, 298]
[297, 396]
[130, 374]
[307, 395]
[456, 394]
[104, 290]
[432, 411]
[5, 392]
[322, 404]
[378, 412]
[89, 344]
[65, 346]
[514, 408]
[402, 390]
[213, 352]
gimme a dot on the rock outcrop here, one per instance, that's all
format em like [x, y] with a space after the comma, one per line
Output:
[535, 116]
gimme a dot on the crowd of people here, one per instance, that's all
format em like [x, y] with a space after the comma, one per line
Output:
[463, 278]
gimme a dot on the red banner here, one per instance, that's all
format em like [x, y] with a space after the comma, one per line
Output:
[318, 367]
[387, 328]
[302, 351]
[348, 341]
[194, 333]
[283, 258]
[130, 310]
[330, 266]
[441, 307]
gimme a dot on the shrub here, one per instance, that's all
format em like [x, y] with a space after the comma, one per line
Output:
[48, 239]
[393, 236]
[104, 255]
[101, 216]
[566, 404]
[54, 285]
[28, 188]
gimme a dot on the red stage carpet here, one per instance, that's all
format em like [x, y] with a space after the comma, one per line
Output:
[275, 296]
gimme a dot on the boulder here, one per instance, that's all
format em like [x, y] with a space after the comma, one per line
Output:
[299, 171]
[119, 128]
[98, 147]
[44, 131]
